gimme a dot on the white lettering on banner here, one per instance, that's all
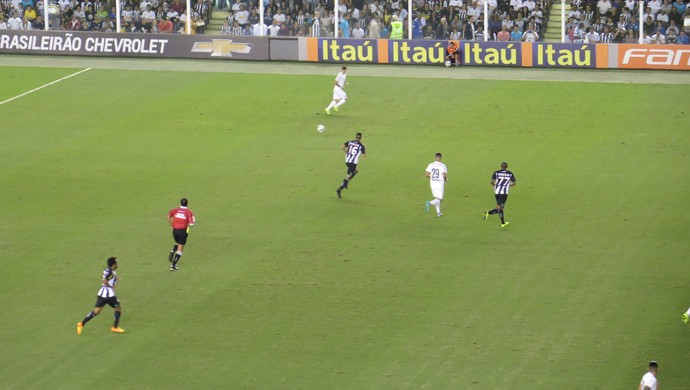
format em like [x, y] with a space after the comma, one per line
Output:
[70, 43]
[657, 56]
[125, 45]
[31, 42]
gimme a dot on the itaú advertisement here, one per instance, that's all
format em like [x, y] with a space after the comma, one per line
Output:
[564, 55]
[417, 52]
[674, 57]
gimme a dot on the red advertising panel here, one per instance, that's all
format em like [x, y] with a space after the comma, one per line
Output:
[675, 57]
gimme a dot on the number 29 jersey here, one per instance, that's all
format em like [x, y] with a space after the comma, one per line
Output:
[436, 170]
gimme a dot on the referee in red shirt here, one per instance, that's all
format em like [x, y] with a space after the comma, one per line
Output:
[180, 219]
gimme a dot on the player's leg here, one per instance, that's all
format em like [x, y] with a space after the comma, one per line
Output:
[178, 255]
[341, 98]
[335, 100]
[340, 103]
[686, 316]
[501, 206]
[99, 306]
[172, 253]
[115, 304]
[437, 192]
[180, 236]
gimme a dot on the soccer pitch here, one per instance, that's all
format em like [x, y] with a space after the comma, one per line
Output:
[284, 286]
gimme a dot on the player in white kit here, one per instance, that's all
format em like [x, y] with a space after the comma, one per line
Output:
[339, 95]
[438, 176]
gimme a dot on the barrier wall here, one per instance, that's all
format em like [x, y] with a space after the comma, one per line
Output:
[343, 51]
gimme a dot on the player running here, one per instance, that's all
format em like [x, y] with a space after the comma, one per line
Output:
[353, 149]
[438, 177]
[106, 296]
[180, 219]
[501, 180]
[339, 95]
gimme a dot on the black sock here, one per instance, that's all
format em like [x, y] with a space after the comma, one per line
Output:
[500, 214]
[174, 249]
[117, 319]
[343, 185]
[176, 259]
[494, 211]
[88, 317]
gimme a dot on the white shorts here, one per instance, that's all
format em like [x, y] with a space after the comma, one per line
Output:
[339, 94]
[437, 192]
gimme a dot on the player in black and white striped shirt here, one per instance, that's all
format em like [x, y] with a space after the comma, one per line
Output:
[353, 149]
[106, 296]
[501, 180]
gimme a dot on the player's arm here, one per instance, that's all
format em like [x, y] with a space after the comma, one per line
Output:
[445, 177]
[344, 147]
[170, 217]
[512, 183]
[427, 173]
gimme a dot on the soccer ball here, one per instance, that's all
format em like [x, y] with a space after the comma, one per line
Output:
[448, 64]
[320, 128]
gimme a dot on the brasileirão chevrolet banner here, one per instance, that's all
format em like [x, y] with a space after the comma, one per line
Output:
[521, 54]
[133, 45]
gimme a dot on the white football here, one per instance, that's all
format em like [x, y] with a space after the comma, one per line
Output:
[320, 128]
[448, 63]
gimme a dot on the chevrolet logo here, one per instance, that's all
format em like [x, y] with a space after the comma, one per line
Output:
[221, 47]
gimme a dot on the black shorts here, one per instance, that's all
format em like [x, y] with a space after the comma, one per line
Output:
[112, 302]
[180, 236]
[501, 199]
[351, 168]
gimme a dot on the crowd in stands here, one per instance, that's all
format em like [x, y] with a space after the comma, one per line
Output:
[616, 21]
[432, 19]
[589, 21]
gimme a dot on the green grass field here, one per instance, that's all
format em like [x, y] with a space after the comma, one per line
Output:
[283, 286]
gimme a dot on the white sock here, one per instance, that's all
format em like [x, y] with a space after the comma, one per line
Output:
[688, 312]
[340, 103]
[331, 105]
[435, 202]
[438, 208]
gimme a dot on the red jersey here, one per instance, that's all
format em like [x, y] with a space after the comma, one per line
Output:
[181, 217]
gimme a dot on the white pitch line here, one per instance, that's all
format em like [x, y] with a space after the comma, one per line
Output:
[45, 85]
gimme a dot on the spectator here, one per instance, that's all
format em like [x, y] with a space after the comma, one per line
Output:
[358, 31]
[680, 6]
[249, 31]
[165, 26]
[658, 38]
[606, 36]
[592, 36]
[531, 34]
[455, 34]
[418, 26]
[469, 30]
[242, 16]
[345, 26]
[619, 36]
[274, 28]
[429, 32]
[603, 7]
[683, 38]
[630, 37]
[38, 24]
[503, 35]
[443, 30]
[374, 31]
[671, 37]
[30, 13]
[516, 34]
[3, 24]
